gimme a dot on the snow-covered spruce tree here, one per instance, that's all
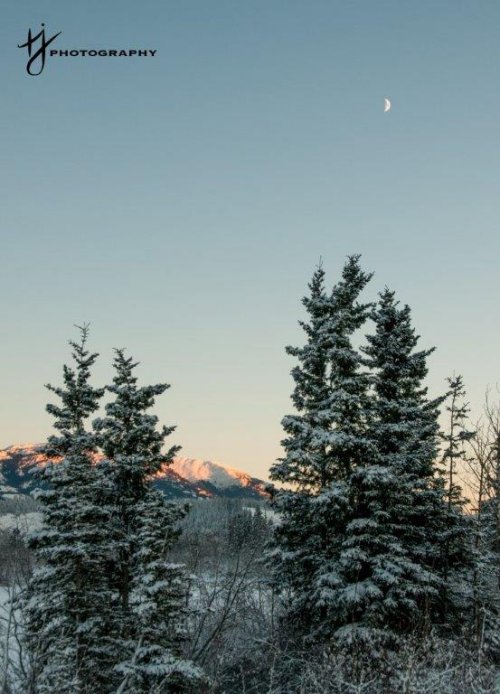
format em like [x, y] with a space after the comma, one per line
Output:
[159, 605]
[150, 590]
[66, 609]
[325, 442]
[388, 580]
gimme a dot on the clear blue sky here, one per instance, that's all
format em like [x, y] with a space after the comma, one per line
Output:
[180, 203]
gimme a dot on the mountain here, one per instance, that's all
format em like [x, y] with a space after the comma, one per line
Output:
[185, 478]
[226, 480]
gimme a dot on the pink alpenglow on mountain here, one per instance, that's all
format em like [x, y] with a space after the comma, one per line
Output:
[186, 477]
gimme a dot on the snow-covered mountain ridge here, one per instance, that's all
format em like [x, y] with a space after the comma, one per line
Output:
[222, 476]
[186, 477]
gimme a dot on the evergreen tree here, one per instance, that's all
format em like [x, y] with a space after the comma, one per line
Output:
[132, 447]
[455, 438]
[387, 577]
[248, 528]
[147, 613]
[261, 526]
[67, 604]
[158, 602]
[325, 442]
[240, 530]
[455, 535]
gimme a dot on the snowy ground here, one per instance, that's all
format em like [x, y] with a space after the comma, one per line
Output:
[269, 513]
[24, 522]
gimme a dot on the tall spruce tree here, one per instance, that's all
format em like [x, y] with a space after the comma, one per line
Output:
[67, 607]
[325, 441]
[455, 537]
[132, 446]
[149, 609]
[455, 438]
[388, 578]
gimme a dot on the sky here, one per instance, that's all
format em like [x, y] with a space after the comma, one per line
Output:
[180, 203]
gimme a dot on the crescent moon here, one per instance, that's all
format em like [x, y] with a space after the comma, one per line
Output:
[387, 105]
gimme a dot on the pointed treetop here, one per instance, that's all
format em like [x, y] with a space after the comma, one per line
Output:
[395, 325]
[78, 398]
[124, 367]
[346, 292]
